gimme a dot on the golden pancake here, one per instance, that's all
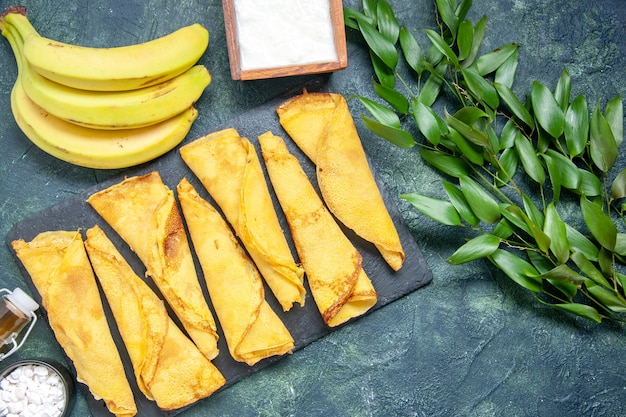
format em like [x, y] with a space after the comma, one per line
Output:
[168, 366]
[321, 125]
[252, 329]
[339, 285]
[228, 167]
[60, 270]
[143, 211]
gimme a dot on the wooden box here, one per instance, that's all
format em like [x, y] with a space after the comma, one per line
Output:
[251, 21]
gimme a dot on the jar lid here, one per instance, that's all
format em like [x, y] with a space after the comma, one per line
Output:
[22, 301]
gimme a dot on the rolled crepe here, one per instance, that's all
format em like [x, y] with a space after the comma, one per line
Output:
[60, 270]
[228, 167]
[339, 285]
[143, 211]
[322, 127]
[168, 366]
[252, 329]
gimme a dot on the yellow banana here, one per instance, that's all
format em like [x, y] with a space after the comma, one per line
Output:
[111, 69]
[114, 109]
[94, 148]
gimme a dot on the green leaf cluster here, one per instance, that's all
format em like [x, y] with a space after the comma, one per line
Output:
[487, 139]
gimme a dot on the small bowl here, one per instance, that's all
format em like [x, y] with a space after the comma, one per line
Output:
[284, 66]
[39, 384]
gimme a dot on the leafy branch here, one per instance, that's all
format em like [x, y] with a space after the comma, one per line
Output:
[486, 139]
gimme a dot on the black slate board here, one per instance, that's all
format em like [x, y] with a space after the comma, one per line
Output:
[304, 323]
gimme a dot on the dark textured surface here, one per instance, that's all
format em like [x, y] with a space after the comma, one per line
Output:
[304, 323]
[468, 344]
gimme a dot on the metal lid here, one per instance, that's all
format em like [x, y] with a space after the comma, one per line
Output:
[22, 301]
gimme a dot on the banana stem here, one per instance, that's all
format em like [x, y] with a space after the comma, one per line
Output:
[16, 42]
[20, 21]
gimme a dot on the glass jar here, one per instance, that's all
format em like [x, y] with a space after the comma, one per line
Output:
[17, 311]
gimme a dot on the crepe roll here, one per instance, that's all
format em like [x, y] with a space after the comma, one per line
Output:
[339, 285]
[322, 127]
[228, 167]
[168, 366]
[252, 329]
[60, 270]
[143, 211]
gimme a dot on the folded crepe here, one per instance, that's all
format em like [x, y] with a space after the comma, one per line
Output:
[60, 270]
[143, 211]
[228, 167]
[322, 127]
[339, 285]
[168, 366]
[252, 329]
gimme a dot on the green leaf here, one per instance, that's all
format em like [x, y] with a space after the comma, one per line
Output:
[522, 221]
[562, 171]
[547, 110]
[439, 43]
[427, 122]
[614, 115]
[448, 164]
[379, 45]
[398, 137]
[507, 166]
[563, 89]
[503, 229]
[505, 74]
[620, 244]
[564, 273]
[482, 204]
[590, 184]
[439, 210]
[618, 187]
[516, 217]
[554, 227]
[398, 101]
[387, 23]
[519, 270]
[507, 136]
[579, 243]
[381, 113]
[511, 100]
[480, 87]
[448, 15]
[621, 279]
[476, 248]
[411, 50]
[470, 115]
[477, 41]
[473, 135]
[602, 144]
[464, 39]
[491, 61]
[606, 297]
[577, 126]
[599, 223]
[534, 214]
[370, 9]
[385, 75]
[530, 160]
[472, 152]
[462, 8]
[352, 17]
[459, 202]
[431, 88]
[581, 310]
[588, 268]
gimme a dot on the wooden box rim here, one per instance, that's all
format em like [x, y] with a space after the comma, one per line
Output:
[234, 56]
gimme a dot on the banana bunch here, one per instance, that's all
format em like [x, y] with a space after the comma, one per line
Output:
[105, 107]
